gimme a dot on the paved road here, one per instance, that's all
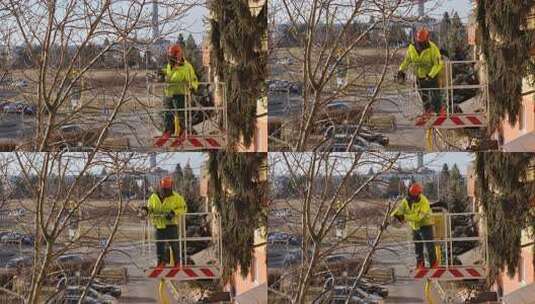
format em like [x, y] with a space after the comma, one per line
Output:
[140, 289]
[405, 290]
[406, 135]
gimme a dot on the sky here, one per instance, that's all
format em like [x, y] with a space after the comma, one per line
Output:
[436, 160]
[166, 161]
[462, 7]
[433, 161]
[194, 22]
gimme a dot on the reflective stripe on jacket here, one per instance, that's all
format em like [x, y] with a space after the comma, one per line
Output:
[417, 214]
[158, 210]
[180, 80]
[426, 64]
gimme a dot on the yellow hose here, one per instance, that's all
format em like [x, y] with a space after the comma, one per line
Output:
[164, 299]
[429, 140]
[438, 253]
[171, 256]
[427, 291]
[177, 124]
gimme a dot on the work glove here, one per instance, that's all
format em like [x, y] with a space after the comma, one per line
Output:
[399, 218]
[169, 216]
[160, 76]
[145, 210]
[401, 76]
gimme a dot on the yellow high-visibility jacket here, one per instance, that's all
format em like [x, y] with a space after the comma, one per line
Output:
[426, 64]
[417, 215]
[180, 80]
[158, 209]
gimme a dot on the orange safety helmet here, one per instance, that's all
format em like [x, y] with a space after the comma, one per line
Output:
[422, 35]
[166, 182]
[175, 51]
[415, 189]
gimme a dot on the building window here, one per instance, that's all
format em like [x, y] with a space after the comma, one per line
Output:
[232, 290]
[254, 271]
[521, 272]
[521, 118]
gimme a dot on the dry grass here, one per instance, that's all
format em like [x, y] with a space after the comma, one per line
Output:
[101, 88]
[98, 217]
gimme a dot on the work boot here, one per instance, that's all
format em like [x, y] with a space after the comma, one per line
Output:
[420, 265]
[442, 111]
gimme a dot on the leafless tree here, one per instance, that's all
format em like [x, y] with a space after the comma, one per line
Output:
[333, 189]
[60, 186]
[62, 43]
[358, 38]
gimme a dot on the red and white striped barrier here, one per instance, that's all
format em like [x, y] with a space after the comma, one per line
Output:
[451, 122]
[450, 273]
[184, 273]
[189, 143]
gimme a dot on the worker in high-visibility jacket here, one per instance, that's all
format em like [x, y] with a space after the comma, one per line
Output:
[416, 211]
[164, 209]
[181, 80]
[425, 58]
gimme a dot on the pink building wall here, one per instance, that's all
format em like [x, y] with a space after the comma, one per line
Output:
[525, 123]
[255, 280]
[525, 273]
[260, 140]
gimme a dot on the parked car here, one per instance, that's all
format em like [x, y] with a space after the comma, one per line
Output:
[377, 289]
[25, 108]
[74, 137]
[18, 107]
[10, 108]
[359, 145]
[17, 212]
[22, 83]
[336, 264]
[71, 263]
[3, 104]
[340, 111]
[112, 290]
[19, 262]
[284, 238]
[16, 237]
[98, 285]
[341, 135]
[293, 88]
[276, 236]
[359, 296]
[292, 257]
[73, 294]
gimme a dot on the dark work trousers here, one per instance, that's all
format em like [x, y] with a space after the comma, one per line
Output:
[430, 98]
[425, 233]
[174, 102]
[162, 248]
